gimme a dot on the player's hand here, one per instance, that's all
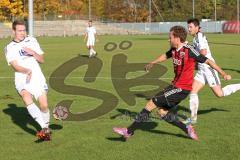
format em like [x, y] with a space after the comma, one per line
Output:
[29, 76]
[28, 51]
[227, 77]
[148, 67]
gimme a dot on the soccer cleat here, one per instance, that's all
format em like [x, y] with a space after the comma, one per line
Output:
[122, 131]
[191, 132]
[44, 134]
[189, 121]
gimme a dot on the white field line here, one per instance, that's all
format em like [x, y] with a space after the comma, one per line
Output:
[166, 78]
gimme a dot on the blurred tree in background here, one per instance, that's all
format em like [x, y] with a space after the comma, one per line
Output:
[120, 10]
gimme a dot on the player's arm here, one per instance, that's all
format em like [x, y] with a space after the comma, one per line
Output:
[85, 37]
[218, 69]
[161, 58]
[38, 57]
[203, 52]
[202, 59]
[21, 69]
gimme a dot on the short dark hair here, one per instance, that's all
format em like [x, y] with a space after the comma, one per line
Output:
[17, 22]
[90, 20]
[180, 32]
[195, 21]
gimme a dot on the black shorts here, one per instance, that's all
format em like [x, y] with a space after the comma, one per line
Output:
[170, 97]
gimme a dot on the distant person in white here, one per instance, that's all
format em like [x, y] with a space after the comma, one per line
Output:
[24, 54]
[205, 74]
[90, 36]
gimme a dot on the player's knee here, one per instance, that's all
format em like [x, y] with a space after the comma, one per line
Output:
[43, 106]
[162, 112]
[26, 97]
[150, 105]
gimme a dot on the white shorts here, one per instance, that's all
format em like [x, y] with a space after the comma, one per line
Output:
[90, 42]
[207, 75]
[36, 86]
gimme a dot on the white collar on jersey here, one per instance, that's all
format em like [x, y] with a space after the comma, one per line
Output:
[19, 41]
[178, 49]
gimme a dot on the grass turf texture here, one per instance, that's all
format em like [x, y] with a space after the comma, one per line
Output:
[218, 124]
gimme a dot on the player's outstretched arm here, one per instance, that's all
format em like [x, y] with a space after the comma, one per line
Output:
[160, 59]
[218, 69]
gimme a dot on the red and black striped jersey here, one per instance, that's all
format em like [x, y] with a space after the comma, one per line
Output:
[184, 60]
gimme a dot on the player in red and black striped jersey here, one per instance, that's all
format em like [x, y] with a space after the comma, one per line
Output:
[184, 58]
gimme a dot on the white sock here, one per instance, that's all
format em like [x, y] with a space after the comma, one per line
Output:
[230, 89]
[35, 112]
[90, 52]
[194, 103]
[46, 117]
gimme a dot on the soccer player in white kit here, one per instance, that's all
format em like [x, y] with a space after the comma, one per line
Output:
[24, 54]
[90, 36]
[205, 74]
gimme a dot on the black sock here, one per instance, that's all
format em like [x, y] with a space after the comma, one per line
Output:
[143, 116]
[172, 119]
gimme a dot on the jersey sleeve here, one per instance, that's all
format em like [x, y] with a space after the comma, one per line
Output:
[202, 41]
[196, 55]
[169, 53]
[36, 47]
[9, 54]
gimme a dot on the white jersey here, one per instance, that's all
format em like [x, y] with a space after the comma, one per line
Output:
[200, 42]
[91, 31]
[14, 52]
[205, 74]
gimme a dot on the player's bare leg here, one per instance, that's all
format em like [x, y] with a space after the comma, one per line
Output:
[26, 97]
[225, 91]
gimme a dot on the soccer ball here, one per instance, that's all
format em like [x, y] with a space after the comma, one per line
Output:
[60, 113]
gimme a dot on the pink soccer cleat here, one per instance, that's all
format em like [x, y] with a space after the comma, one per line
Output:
[191, 132]
[122, 131]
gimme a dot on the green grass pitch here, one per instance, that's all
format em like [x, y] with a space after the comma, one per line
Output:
[218, 124]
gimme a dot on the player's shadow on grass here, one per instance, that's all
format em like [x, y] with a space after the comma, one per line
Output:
[146, 126]
[182, 108]
[21, 118]
[140, 95]
[201, 111]
[230, 69]
[84, 55]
